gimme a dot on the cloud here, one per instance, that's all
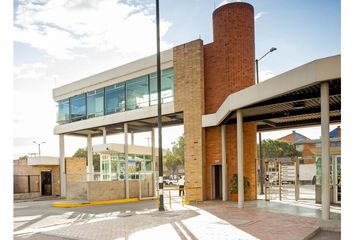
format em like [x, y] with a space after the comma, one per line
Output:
[29, 71]
[259, 15]
[265, 74]
[65, 29]
[223, 3]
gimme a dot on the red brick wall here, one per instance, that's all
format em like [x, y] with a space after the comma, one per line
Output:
[229, 61]
[229, 64]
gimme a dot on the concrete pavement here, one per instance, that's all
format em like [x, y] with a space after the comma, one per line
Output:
[141, 220]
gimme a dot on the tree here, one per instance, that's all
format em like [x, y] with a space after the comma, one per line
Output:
[25, 157]
[277, 149]
[81, 152]
[174, 158]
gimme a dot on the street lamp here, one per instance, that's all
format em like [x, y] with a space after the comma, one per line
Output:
[259, 134]
[39, 147]
[159, 118]
[148, 141]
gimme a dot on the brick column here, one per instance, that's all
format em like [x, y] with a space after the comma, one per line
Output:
[188, 65]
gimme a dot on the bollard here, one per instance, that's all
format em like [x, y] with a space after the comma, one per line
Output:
[169, 196]
[182, 198]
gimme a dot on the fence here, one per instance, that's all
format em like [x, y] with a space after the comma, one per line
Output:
[170, 194]
[26, 183]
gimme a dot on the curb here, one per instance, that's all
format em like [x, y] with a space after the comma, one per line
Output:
[309, 234]
[85, 204]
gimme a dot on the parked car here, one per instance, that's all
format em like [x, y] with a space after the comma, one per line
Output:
[169, 181]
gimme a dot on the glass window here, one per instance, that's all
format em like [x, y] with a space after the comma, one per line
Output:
[137, 93]
[166, 86]
[115, 98]
[299, 148]
[95, 103]
[78, 107]
[63, 114]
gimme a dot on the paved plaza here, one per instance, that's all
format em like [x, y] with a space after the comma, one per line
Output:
[206, 220]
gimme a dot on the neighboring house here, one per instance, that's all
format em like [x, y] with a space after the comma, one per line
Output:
[310, 163]
[39, 176]
[303, 144]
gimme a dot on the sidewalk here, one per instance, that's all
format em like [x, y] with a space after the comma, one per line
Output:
[141, 220]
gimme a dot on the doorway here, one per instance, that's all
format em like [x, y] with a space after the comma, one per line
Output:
[46, 183]
[216, 182]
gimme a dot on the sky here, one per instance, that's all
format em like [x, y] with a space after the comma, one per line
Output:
[57, 42]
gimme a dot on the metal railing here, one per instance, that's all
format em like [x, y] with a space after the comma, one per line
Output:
[102, 176]
[192, 192]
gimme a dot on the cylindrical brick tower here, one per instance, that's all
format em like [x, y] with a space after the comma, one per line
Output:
[229, 66]
[230, 59]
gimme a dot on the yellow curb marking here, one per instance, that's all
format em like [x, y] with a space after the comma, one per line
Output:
[68, 205]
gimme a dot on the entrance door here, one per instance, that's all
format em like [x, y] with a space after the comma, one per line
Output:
[217, 182]
[46, 185]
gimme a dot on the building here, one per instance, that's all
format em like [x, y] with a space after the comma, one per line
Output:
[210, 88]
[39, 176]
[310, 162]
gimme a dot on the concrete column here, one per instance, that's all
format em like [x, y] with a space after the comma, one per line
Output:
[132, 138]
[240, 159]
[153, 156]
[325, 182]
[89, 157]
[104, 134]
[126, 160]
[62, 166]
[223, 161]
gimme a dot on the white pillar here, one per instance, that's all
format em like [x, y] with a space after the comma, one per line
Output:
[223, 161]
[62, 166]
[240, 159]
[89, 157]
[325, 182]
[153, 156]
[104, 134]
[126, 159]
[132, 138]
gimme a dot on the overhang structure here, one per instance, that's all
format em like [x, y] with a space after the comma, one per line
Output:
[289, 100]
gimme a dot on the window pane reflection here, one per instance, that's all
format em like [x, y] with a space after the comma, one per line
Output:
[138, 93]
[95, 103]
[78, 107]
[63, 114]
[166, 86]
[115, 98]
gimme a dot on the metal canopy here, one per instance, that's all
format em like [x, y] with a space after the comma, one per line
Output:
[297, 108]
[136, 126]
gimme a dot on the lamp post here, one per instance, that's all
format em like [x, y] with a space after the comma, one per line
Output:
[39, 147]
[259, 134]
[148, 138]
[159, 123]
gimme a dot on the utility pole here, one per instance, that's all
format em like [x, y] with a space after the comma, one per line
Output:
[39, 147]
[260, 134]
[159, 123]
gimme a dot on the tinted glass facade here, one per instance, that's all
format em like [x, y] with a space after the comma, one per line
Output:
[133, 94]
[78, 107]
[95, 101]
[63, 111]
[115, 98]
[166, 86]
[138, 93]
